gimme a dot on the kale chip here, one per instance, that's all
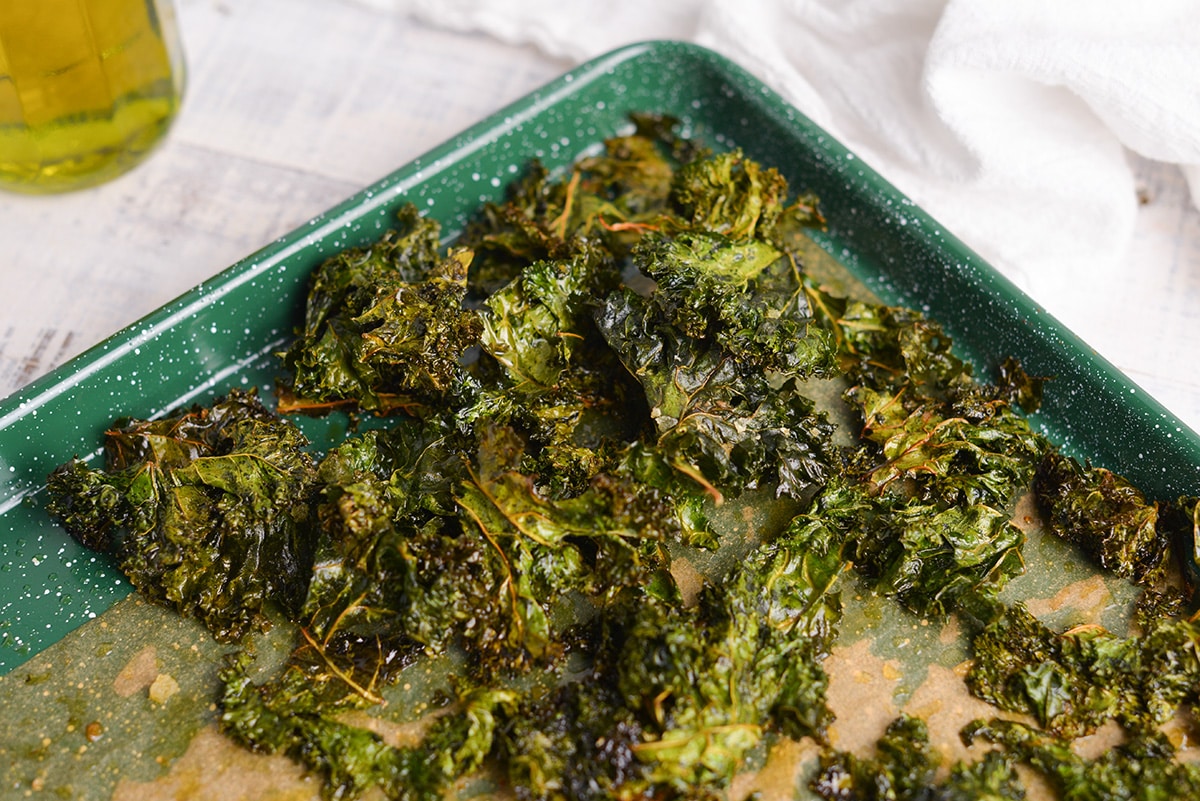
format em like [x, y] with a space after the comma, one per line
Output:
[1072, 682]
[905, 767]
[384, 326]
[1105, 515]
[206, 510]
[1144, 767]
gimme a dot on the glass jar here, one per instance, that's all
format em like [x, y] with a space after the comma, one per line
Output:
[87, 89]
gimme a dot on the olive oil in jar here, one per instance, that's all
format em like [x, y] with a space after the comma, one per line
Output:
[87, 88]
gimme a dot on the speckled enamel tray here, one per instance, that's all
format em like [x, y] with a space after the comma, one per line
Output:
[224, 332]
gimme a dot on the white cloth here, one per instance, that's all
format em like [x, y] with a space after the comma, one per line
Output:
[1008, 121]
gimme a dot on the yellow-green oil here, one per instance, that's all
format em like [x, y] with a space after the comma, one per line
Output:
[87, 88]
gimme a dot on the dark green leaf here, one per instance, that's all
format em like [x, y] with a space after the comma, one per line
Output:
[207, 510]
[1105, 515]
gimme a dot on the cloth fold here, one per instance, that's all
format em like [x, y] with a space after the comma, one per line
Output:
[1010, 123]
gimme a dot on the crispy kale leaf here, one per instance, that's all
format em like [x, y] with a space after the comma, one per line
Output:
[384, 326]
[577, 742]
[538, 549]
[572, 432]
[1180, 520]
[284, 715]
[206, 510]
[926, 501]
[927, 556]
[709, 682]
[729, 194]
[889, 347]
[742, 294]
[679, 697]
[966, 451]
[720, 363]
[608, 200]
[557, 382]
[905, 769]
[533, 325]
[420, 545]
[1144, 767]
[720, 422]
[385, 509]
[902, 769]
[1072, 682]
[1105, 515]
[943, 477]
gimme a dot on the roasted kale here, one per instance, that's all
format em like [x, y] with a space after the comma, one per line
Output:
[902, 769]
[1180, 522]
[206, 510]
[729, 411]
[536, 551]
[476, 558]
[1105, 515]
[679, 697]
[925, 555]
[565, 396]
[710, 682]
[576, 742]
[285, 715]
[384, 326]
[729, 194]
[1074, 681]
[609, 200]
[532, 325]
[905, 768]
[926, 500]
[555, 380]
[924, 504]
[1143, 767]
